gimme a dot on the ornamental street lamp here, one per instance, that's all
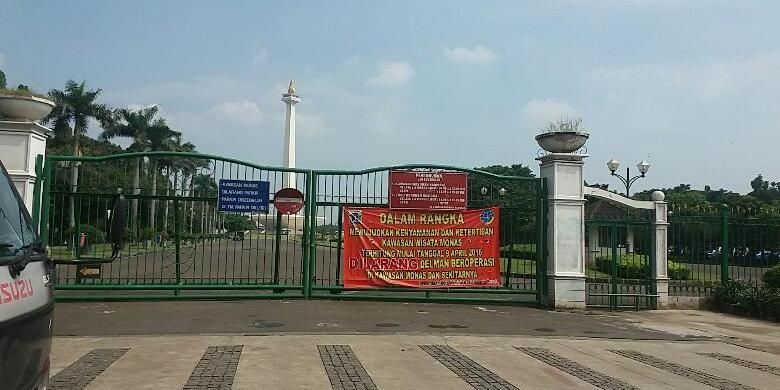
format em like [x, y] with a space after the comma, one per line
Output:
[627, 180]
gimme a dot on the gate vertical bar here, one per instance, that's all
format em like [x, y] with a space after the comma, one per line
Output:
[177, 234]
[340, 242]
[277, 245]
[544, 243]
[45, 206]
[305, 258]
[540, 244]
[724, 250]
[312, 225]
[39, 177]
[614, 266]
[652, 289]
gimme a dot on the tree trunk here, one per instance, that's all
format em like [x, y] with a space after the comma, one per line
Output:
[190, 192]
[204, 211]
[175, 180]
[153, 209]
[135, 191]
[74, 182]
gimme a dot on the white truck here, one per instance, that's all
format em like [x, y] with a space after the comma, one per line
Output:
[26, 296]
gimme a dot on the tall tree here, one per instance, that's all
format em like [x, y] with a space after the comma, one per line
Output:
[74, 107]
[136, 125]
[205, 186]
[176, 165]
[159, 138]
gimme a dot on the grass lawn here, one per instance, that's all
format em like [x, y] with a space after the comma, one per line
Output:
[96, 250]
[519, 266]
[520, 247]
[104, 250]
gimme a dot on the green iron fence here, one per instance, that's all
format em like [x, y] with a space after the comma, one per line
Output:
[178, 245]
[721, 244]
[619, 261]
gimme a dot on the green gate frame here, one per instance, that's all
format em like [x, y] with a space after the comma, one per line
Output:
[42, 211]
[616, 289]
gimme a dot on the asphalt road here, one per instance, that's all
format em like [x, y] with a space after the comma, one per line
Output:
[333, 317]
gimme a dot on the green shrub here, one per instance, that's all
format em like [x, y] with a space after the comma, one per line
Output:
[730, 291]
[748, 298]
[678, 271]
[94, 235]
[771, 277]
[629, 266]
[519, 251]
[636, 266]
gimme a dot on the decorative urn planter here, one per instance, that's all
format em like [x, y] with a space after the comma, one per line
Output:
[24, 108]
[562, 141]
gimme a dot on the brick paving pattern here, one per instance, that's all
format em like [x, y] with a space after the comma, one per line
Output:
[575, 369]
[216, 368]
[470, 371]
[694, 375]
[344, 369]
[83, 371]
[744, 363]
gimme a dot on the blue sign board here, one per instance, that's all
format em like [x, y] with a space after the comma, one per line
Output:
[243, 196]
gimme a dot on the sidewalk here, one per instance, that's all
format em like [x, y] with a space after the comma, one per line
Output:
[406, 362]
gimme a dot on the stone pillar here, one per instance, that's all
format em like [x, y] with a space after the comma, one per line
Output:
[660, 230]
[20, 143]
[566, 231]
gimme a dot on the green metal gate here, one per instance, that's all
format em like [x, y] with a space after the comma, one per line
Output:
[618, 258]
[522, 216]
[179, 246]
[177, 243]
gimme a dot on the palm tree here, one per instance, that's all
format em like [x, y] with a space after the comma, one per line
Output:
[176, 165]
[159, 138]
[135, 124]
[74, 107]
[205, 186]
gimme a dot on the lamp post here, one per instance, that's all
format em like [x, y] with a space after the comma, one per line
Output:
[627, 180]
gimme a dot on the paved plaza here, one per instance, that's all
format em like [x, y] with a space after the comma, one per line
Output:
[363, 345]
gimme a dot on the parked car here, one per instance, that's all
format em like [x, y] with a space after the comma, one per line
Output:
[286, 231]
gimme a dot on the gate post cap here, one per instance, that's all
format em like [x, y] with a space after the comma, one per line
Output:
[658, 196]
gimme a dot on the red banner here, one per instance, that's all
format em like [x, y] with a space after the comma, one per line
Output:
[428, 190]
[418, 248]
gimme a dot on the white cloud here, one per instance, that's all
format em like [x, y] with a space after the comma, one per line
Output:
[538, 112]
[707, 80]
[392, 74]
[466, 55]
[243, 111]
[260, 57]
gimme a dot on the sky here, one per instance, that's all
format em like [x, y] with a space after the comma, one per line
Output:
[693, 87]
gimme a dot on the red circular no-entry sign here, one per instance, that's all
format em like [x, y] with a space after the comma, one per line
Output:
[288, 200]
